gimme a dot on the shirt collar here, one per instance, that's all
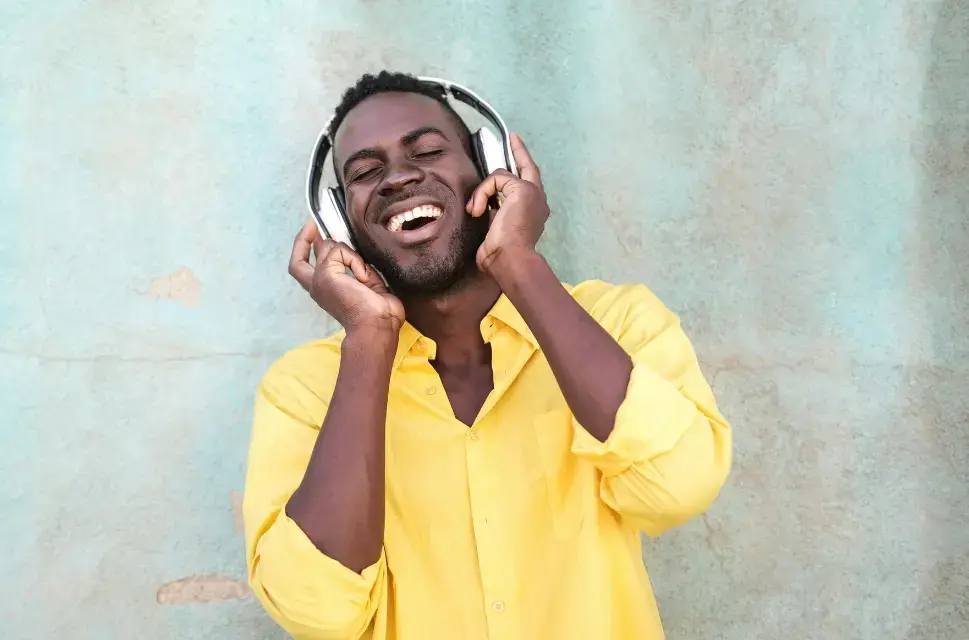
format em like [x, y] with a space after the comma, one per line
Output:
[502, 312]
[506, 313]
[409, 335]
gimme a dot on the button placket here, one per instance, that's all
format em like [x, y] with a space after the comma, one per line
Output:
[487, 540]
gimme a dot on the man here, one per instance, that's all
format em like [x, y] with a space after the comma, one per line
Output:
[474, 455]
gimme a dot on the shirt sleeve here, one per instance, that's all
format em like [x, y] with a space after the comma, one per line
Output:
[309, 594]
[669, 452]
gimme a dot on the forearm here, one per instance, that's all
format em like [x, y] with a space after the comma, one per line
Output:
[591, 368]
[339, 504]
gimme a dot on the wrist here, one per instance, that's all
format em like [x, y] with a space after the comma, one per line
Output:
[512, 267]
[372, 339]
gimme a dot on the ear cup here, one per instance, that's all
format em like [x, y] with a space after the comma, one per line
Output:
[488, 152]
[477, 154]
[341, 200]
[332, 219]
[340, 196]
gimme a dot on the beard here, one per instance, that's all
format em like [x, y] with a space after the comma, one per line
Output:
[431, 274]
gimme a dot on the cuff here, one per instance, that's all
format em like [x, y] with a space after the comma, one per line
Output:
[302, 577]
[650, 421]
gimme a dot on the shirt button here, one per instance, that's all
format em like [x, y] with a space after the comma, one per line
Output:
[474, 435]
[498, 606]
[431, 391]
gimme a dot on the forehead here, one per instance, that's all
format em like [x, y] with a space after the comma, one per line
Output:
[381, 120]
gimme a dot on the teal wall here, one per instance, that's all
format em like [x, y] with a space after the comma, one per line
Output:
[791, 177]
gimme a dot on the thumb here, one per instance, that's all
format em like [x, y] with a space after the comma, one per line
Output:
[341, 257]
[481, 257]
[375, 281]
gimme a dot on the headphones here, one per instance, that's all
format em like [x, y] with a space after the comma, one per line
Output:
[488, 152]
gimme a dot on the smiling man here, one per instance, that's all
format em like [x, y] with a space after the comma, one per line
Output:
[475, 454]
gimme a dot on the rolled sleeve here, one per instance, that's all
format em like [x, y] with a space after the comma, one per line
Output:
[669, 452]
[650, 421]
[308, 593]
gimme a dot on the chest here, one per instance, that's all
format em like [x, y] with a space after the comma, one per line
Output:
[509, 468]
[467, 389]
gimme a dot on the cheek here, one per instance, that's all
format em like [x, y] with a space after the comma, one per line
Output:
[462, 176]
[357, 203]
[467, 181]
[469, 184]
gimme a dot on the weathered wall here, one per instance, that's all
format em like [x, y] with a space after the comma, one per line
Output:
[791, 177]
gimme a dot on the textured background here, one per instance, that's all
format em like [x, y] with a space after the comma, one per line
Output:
[791, 177]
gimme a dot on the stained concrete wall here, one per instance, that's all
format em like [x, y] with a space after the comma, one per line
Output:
[790, 177]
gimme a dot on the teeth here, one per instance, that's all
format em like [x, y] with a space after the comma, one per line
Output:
[424, 211]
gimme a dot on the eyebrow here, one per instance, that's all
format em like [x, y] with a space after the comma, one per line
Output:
[407, 139]
[417, 134]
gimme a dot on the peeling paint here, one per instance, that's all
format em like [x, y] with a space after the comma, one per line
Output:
[202, 589]
[181, 286]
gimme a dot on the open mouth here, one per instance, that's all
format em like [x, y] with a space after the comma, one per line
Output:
[414, 219]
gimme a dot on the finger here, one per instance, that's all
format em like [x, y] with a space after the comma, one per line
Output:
[526, 165]
[479, 257]
[341, 257]
[320, 248]
[491, 186]
[375, 282]
[299, 265]
[304, 241]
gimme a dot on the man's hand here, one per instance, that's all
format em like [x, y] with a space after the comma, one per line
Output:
[519, 222]
[359, 302]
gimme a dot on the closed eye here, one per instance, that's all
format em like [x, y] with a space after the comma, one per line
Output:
[364, 174]
[430, 153]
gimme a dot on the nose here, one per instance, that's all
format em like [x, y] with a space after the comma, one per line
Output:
[401, 175]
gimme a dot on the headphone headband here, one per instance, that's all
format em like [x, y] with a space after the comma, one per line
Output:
[314, 174]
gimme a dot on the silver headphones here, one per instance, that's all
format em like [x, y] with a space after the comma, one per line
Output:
[488, 152]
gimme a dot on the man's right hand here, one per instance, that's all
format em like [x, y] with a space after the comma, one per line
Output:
[360, 302]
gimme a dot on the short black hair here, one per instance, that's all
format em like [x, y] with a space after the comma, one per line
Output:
[385, 82]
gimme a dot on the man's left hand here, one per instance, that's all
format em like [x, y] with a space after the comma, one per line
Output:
[518, 223]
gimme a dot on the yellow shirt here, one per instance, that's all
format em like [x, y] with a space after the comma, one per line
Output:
[521, 527]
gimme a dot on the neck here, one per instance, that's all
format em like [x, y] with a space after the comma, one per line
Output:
[453, 319]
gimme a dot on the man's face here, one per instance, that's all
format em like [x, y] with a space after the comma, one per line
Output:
[407, 176]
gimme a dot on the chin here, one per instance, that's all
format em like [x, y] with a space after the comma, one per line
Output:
[435, 267]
